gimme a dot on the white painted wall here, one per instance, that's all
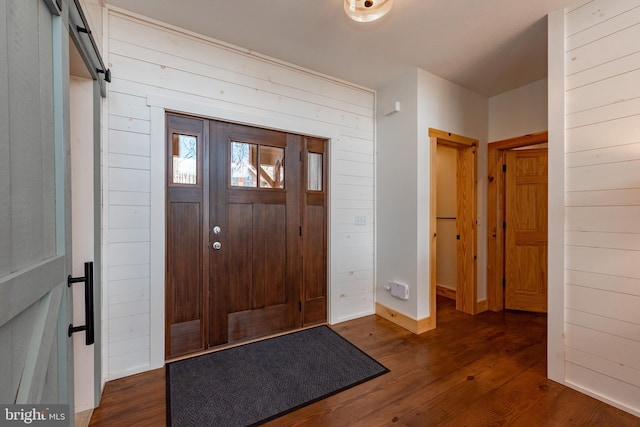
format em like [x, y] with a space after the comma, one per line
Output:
[82, 217]
[601, 313]
[403, 180]
[157, 67]
[519, 112]
[396, 190]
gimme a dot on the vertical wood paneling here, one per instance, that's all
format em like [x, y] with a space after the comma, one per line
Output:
[602, 277]
[148, 60]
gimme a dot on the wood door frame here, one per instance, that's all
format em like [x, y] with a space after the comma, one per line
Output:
[495, 213]
[466, 295]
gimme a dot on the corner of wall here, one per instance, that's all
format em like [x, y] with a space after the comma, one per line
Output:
[556, 119]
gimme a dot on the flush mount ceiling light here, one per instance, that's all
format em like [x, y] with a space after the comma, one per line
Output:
[367, 10]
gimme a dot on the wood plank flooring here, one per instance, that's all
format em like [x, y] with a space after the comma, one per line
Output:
[483, 370]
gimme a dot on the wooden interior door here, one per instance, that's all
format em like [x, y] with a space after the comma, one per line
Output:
[255, 233]
[466, 207]
[526, 230]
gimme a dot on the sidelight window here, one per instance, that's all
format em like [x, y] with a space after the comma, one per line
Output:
[314, 172]
[185, 159]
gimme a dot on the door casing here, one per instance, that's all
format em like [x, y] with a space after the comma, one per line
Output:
[495, 213]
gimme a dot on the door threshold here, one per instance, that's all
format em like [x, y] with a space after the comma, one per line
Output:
[241, 342]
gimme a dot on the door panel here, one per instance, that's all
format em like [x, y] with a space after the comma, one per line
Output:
[466, 203]
[526, 230]
[256, 273]
[185, 298]
[36, 355]
[185, 248]
[256, 256]
[269, 255]
[239, 250]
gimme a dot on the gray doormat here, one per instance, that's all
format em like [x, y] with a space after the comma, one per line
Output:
[260, 381]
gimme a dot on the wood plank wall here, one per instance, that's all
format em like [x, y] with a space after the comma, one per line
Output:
[602, 193]
[149, 59]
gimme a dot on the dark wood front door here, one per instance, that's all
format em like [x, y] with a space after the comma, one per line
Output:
[246, 234]
[255, 253]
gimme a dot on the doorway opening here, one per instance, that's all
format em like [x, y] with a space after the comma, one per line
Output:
[246, 219]
[517, 223]
[86, 220]
[461, 211]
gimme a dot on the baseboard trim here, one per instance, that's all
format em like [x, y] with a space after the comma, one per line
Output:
[416, 326]
[482, 306]
[446, 292]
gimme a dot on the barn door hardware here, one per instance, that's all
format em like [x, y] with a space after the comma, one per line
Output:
[107, 74]
[88, 303]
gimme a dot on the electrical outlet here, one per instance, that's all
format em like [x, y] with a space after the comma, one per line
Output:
[398, 290]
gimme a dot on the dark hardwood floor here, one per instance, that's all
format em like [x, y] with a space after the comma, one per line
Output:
[483, 370]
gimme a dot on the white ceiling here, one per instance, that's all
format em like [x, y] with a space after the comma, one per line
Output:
[488, 46]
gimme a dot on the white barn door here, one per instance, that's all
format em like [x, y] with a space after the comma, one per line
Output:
[35, 302]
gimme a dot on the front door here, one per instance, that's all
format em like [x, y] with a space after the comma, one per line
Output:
[255, 236]
[246, 233]
[526, 230]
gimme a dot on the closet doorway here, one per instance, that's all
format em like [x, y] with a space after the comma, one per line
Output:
[461, 211]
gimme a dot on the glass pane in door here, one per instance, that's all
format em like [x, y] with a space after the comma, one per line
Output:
[271, 167]
[243, 164]
[185, 159]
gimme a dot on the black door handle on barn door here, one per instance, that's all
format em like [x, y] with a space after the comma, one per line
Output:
[88, 303]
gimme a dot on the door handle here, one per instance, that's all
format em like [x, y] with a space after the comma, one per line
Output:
[216, 245]
[88, 326]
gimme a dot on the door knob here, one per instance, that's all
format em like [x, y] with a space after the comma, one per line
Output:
[216, 230]
[216, 246]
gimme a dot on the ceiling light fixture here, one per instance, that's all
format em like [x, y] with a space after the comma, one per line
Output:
[367, 10]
